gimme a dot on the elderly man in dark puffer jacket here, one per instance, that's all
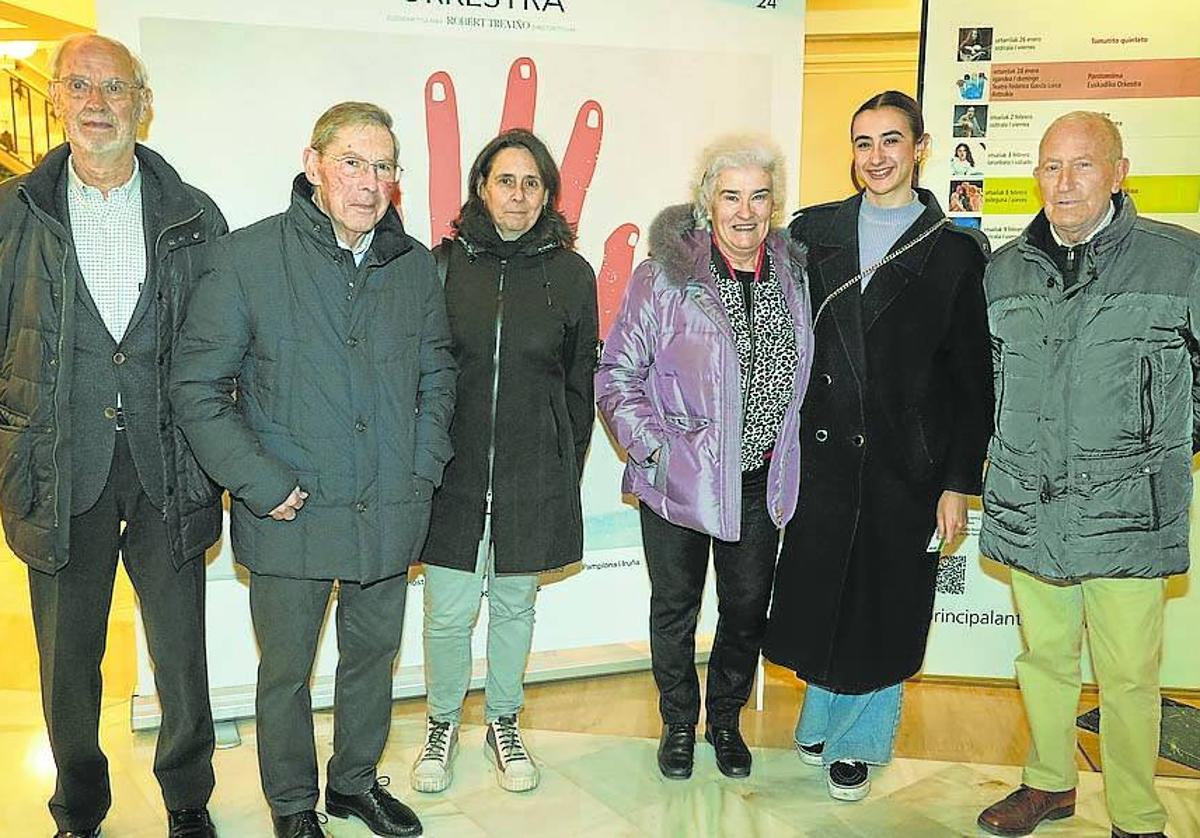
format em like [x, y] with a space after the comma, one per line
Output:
[1094, 314]
[315, 382]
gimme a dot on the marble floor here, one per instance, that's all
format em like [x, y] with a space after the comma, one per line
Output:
[593, 738]
[592, 785]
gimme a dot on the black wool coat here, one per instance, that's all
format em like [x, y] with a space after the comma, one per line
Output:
[899, 409]
[541, 296]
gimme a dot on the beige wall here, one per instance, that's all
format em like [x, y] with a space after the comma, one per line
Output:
[853, 49]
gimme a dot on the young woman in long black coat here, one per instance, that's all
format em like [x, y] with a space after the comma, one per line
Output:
[894, 429]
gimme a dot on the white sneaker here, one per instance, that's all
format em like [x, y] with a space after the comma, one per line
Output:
[848, 779]
[431, 772]
[515, 768]
[810, 754]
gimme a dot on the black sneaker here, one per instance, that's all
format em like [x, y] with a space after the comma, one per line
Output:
[810, 754]
[848, 780]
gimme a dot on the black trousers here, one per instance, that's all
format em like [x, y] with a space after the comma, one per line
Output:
[70, 617]
[677, 559]
[288, 615]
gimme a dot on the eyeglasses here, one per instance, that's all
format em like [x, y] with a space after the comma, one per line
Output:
[352, 167]
[113, 90]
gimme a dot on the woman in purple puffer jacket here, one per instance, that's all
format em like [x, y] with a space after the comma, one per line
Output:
[701, 381]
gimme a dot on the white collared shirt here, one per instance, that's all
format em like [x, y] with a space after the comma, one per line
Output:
[359, 252]
[110, 244]
[1104, 222]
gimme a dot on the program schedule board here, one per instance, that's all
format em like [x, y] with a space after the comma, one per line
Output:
[994, 74]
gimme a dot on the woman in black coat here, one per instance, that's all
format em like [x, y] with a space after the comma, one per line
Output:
[894, 429]
[523, 317]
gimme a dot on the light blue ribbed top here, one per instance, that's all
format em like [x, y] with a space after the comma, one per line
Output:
[879, 228]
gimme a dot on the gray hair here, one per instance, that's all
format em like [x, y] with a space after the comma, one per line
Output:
[140, 77]
[1107, 128]
[735, 152]
[351, 113]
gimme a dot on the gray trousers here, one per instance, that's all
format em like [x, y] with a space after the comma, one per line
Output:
[287, 615]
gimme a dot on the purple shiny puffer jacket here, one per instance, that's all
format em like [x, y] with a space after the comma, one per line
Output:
[668, 382]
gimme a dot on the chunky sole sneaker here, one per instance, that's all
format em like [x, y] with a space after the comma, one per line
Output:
[433, 769]
[848, 780]
[514, 767]
[810, 754]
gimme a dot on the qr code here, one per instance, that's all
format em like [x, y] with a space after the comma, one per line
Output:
[952, 575]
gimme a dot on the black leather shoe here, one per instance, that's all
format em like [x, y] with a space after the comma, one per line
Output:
[94, 832]
[190, 823]
[676, 751]
[300, 825]
[733, 757]
[382, 813]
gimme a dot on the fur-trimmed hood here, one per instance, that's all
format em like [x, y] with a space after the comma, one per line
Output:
[677, 245]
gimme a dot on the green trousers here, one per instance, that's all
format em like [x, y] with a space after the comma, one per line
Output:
[452, 601]
[1124, 623]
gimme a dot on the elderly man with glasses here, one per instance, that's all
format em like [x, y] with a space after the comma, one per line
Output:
[314, 380]
[99, 247]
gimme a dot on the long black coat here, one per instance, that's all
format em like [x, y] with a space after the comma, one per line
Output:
[544, 406]
[899, 409]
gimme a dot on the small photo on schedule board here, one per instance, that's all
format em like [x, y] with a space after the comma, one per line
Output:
[975, 43]
[970, 120]
[967, 159]
[972, 86]
[966, 196]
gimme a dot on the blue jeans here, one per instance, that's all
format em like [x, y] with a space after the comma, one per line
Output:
[860, 727]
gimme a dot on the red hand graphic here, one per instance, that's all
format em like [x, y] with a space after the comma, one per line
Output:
[520, 97]
[579, 160]
[614, 273]
[578, 167]
[445, 156]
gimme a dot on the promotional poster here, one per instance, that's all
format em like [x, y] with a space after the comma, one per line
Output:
[624, 93]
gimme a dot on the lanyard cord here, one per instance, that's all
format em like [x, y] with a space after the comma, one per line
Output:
[854, 280]
[758, 261]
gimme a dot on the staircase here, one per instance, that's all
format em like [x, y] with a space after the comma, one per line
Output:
[28, 125]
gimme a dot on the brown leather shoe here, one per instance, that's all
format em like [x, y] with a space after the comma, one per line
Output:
[1024, 809]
